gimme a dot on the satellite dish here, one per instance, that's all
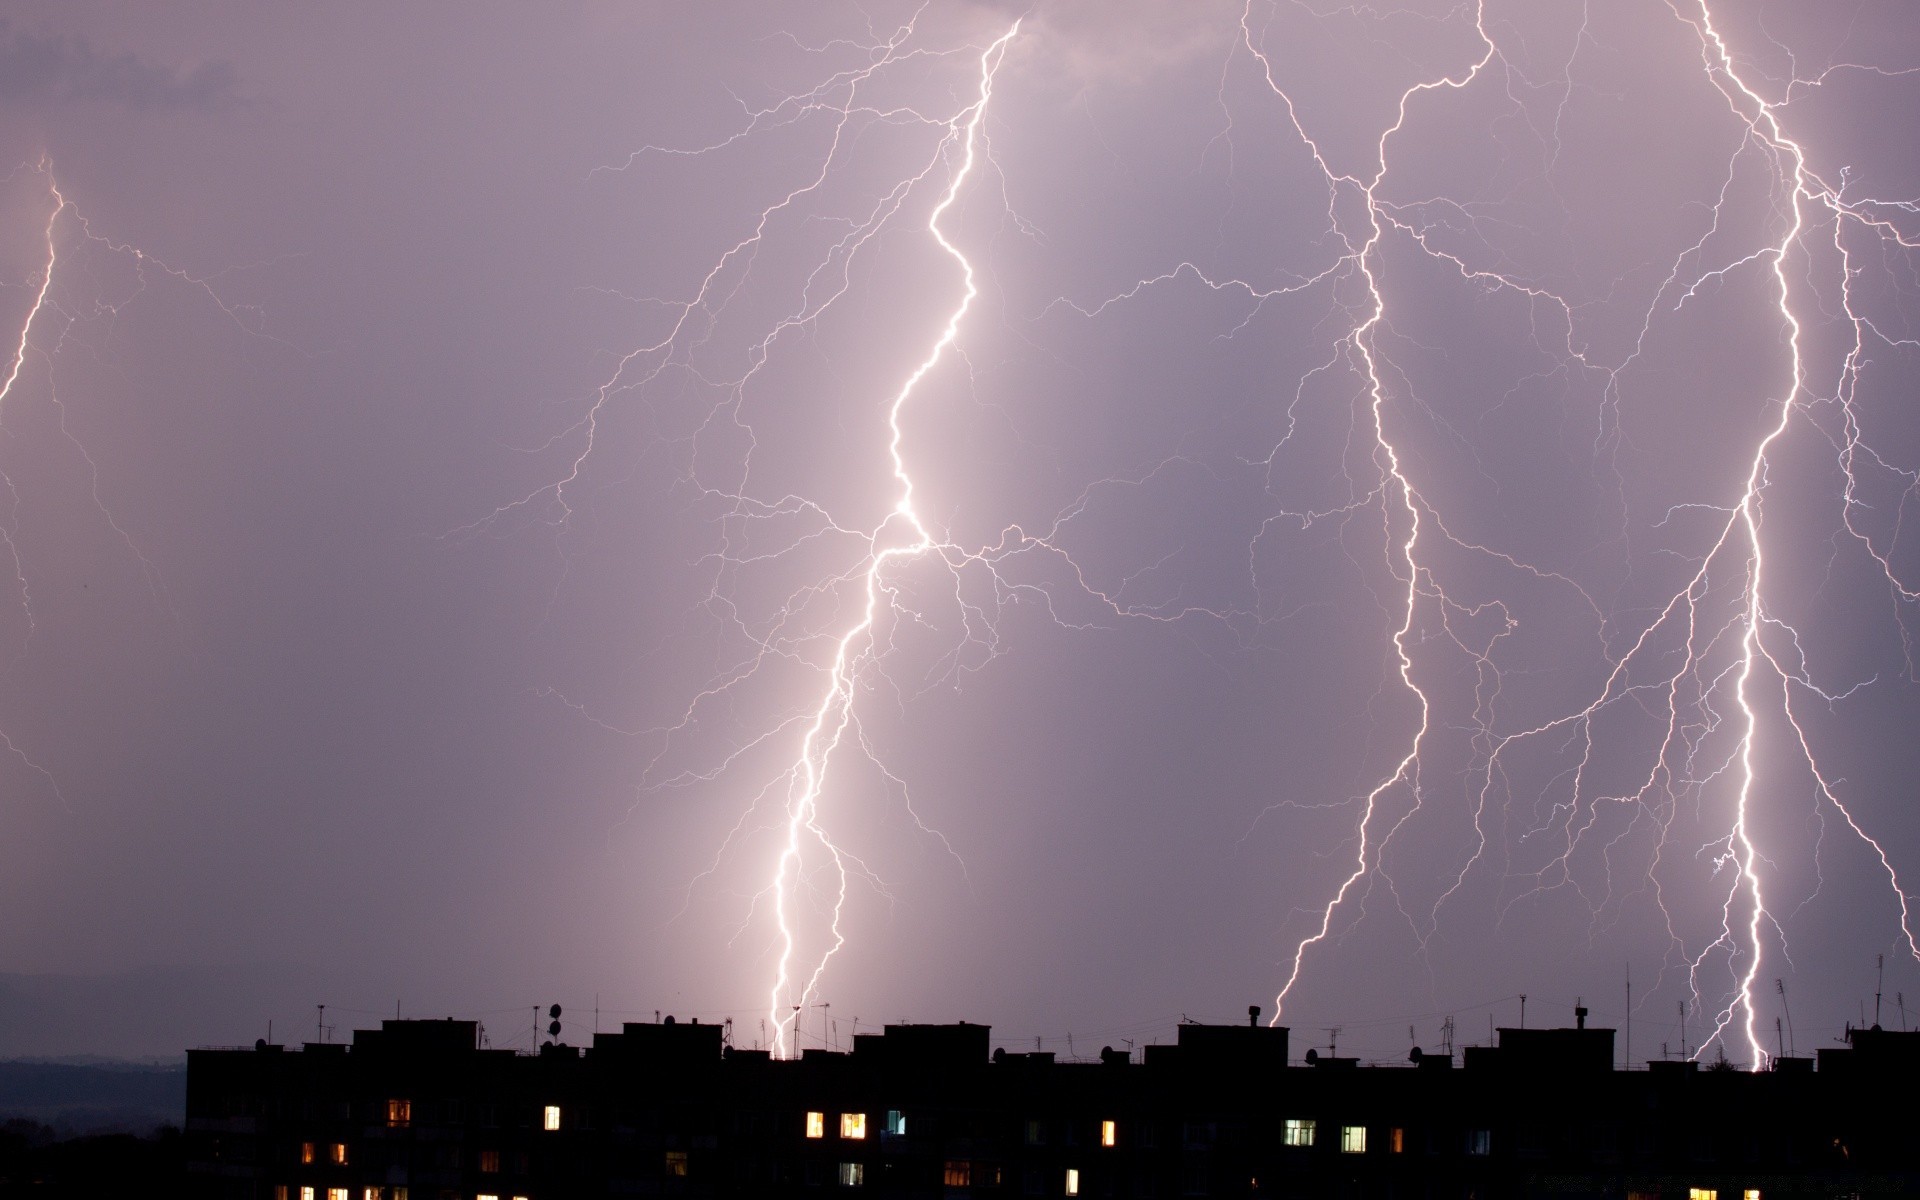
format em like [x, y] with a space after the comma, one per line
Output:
[554, 1012]
[1414, 1055]
[553, 1029]
[668, 1021]
[1313, 1056]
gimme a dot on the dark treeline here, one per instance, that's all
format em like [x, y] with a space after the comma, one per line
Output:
[36, 1161]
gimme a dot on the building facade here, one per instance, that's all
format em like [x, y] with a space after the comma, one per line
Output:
[416, 1111]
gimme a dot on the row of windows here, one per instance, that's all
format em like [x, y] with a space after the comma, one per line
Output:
[853, 1125]
[1296, 1132]
[400, 1116]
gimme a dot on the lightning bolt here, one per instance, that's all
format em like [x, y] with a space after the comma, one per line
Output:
[835, 711]
[1655, 780]
[1719, 676]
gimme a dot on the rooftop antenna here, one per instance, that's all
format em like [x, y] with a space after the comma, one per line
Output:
[1778, 1036]
[1626, 1056]
[1333, 1042]
[1446, 1036]
[1781, 987]
[1898, 998]
[320, 1024]
[1880, 964]
[1683, 1029]
[1523, 1010]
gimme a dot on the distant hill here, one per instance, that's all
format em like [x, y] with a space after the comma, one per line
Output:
[77, 1099]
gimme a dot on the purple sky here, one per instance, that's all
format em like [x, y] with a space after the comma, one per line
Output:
[451, 451]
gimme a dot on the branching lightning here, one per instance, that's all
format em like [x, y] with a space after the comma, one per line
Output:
[1671, 766]
[1714, 662]
[57, 306]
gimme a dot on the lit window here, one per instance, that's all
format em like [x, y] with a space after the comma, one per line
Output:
[1036, 1134]
[336, 1194]
[486, 1196]
[1353, 1139]
[1703, 1194]
[306, 1153]
[816, 1125]
[958, 1173]
[1480, 1143]
[399, 1113]
[550, 1119]
[896, 1122]
[1397, 1140]
[853, 1125]
[677, 1164]
[306, 1193]
[338, 1154]
[1073, 1182]
[1299, 1133]
[1750, 1194]
[1109, 1133]
[279, 1191]
[400, 1193]
[489, 1162]
[372, 1193]
[853, 1174]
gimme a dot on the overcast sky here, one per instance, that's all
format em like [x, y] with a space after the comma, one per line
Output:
[451, 455]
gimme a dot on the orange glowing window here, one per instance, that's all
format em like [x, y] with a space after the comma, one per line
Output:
[306, 1155]
[1109, 1133]
[816, 1124]
[399, 1113]
[337, 1154]
[853, 1125]
[489, 1162]
[550, 1118]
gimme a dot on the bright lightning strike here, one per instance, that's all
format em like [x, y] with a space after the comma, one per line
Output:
[1713, 672]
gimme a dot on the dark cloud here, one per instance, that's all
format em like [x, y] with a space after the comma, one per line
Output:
[57, 69]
